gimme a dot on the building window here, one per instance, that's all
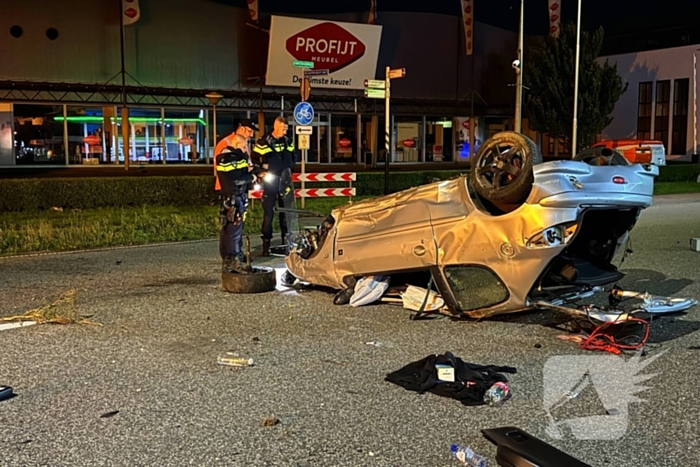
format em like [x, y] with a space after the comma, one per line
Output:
[663, 105]
[438, 139]
[680, 116]
[408, 139]
[39, 134]
[344, 143]
[644, 111]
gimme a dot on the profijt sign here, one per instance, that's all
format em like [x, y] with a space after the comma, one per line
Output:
[343, 54]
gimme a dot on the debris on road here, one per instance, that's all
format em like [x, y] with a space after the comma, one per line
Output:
[6, 393]
[497, 395]
[61, 311]
[109, 414]
[234, 359]
[414, 297]
[467, 456]
[472, 381]
[270, 421]
[19, 324]
[375, 343]
[369, 290]
[695, 243]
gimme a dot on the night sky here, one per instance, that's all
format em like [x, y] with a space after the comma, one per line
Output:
[618, 17]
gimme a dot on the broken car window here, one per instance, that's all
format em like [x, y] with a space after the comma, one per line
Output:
[475, 287]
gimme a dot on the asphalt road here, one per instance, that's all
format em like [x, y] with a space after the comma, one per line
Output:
[164, 321]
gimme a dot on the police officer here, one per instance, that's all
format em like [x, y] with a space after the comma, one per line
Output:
[246, 128]
[274, 153]
[234, 174]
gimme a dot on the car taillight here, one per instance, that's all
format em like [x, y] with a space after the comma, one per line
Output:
[619, 180]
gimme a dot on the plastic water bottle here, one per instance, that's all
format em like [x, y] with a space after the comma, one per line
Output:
[467, 456]
[497, 394]
[233, 359]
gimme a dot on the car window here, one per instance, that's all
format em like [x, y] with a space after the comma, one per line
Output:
[475, 287]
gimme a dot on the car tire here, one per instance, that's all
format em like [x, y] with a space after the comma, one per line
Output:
[261, 279]
[502, 168]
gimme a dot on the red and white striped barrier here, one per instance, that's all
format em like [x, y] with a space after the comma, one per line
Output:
[311, 193]
[325, 177]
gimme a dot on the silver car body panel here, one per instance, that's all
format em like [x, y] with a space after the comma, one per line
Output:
[441, 225]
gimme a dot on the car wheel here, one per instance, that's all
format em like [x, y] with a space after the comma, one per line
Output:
[502, 167]
[260, 279]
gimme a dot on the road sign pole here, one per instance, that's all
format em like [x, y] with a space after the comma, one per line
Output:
[303, 171]
[387, 135]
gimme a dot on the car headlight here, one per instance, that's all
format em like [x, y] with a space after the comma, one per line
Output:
[553, 236]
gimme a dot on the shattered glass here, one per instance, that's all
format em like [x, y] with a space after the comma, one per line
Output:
[475, 287]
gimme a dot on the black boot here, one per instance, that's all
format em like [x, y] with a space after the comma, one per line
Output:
[265, 247]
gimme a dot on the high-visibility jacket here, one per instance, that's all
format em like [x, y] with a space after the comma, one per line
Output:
[277, 153]
[232, 170]
[220, 146]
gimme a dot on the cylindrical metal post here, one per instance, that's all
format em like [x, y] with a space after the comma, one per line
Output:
[695, 101]
[578, 46]
[519, 73]
[66, 148]
[303, 171]
[213, 130]
[163, 142]
[387, 134]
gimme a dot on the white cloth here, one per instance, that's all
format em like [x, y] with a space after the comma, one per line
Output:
[369, 289]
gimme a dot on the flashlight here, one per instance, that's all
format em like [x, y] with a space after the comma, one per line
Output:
[269, 177]
[257, 187]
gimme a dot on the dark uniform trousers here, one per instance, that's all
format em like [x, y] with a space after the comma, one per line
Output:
[232, 214]
[280, 191]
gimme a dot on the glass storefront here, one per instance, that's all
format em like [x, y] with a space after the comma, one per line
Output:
[38, 135]
[344, 139]
[438, 140]
[408, 139]
[92, 135]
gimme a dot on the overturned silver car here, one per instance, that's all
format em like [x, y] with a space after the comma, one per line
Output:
[513, 233]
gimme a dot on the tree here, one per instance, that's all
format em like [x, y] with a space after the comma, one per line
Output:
[549, 104]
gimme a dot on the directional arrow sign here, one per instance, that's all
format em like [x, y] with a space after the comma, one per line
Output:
[375, 93]
[375, 83]
[304, 129]
[397, 73]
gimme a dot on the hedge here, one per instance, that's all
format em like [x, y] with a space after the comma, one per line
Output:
[679, 173]
[95, 192]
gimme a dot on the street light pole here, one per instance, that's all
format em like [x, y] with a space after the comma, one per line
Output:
[578, 52]
[214, 98]
[519, 73]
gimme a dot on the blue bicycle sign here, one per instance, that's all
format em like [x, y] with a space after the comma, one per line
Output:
[303, 113]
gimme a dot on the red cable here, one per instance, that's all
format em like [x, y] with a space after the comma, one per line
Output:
[600, 340]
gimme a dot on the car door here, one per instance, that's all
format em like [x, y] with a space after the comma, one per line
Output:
[383, 240]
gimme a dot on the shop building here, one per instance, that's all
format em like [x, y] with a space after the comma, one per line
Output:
[61, 89]
[661, 99]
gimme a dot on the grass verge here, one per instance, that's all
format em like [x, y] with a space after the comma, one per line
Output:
[676, 188]
[67, 230]
[38, 231]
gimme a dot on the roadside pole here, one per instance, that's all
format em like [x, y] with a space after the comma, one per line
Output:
[387, 131]
[303, 117]
[380, 89]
